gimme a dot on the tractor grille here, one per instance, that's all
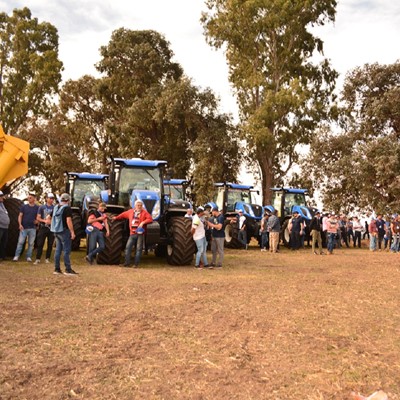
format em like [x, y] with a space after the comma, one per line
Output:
[257, 210]
[149, 204]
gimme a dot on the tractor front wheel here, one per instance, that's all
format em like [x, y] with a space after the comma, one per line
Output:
[181, 247]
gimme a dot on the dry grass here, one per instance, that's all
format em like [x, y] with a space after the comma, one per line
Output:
[267, 326]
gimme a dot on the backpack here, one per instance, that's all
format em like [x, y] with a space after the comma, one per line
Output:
[57, 225]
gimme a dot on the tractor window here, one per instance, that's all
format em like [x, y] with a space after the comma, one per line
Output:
[294, 199]
[277, 202]
[235, 196]
[176, 192]
[89, 187]
[139, 179]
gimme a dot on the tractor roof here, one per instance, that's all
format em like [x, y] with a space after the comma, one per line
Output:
[233, 185]
[87, 175]
[137, 162]
[289, 190]
[176, 182]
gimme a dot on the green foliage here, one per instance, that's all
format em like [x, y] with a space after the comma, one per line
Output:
[142, 106]
[282, 96]
[30, 70]
[359, 167]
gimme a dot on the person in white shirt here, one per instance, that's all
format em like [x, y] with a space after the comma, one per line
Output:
[199, 237]
[242, 235]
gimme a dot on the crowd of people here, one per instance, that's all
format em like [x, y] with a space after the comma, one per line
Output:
[53, 223]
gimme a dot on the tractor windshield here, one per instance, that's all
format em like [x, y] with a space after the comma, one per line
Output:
[83, 187]
[139, 179]
[175, 192]
[293, 199]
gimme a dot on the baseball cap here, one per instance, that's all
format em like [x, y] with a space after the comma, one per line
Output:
[50, 195]
[32, 194]
[1, 193]
[295, 212]
[65, 197]
[140, 231]
[199, 210]
[215, 208]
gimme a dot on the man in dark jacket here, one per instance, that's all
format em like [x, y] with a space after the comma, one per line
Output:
[316, 228]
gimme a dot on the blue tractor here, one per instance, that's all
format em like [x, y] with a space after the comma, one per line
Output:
[176, 189]
[230, 198]
[137, 179]
[286, 201]
[84, 189]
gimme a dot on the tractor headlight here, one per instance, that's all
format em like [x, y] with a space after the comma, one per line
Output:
[156, 210]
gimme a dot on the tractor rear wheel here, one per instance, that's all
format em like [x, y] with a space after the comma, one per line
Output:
[78, 229]
[12, 206]
[285, 235]
[181, 247]
[114, 243]
[232, 236]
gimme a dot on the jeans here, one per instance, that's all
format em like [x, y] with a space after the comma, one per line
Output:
[217, 247]
[331, 241]
[63, 244]
[134, 240]
[31, 235]
[43, 234]
[357, 238]
[3, 242]
[242, 236]
[96, 237]
[395, 244]
[201, 251]
[372, 242]
[295, 240]
[264, 240]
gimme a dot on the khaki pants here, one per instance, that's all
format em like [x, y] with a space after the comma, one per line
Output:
[273, 241]
[316, 236]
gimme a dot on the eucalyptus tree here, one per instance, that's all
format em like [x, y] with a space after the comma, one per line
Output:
[282, 94]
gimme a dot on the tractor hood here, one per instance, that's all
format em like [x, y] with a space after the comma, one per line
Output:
[151, 201]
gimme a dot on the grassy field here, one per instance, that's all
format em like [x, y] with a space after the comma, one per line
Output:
[266, 326]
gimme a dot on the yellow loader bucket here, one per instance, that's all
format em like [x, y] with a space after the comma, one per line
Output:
[13, 157]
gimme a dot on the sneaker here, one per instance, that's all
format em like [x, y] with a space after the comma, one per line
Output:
[29, 259]
[70, 272]
[36, 262]
[57, 272]
[212, 265]
[47, 261]
[89, 260]
[209, 266]
[15, 258]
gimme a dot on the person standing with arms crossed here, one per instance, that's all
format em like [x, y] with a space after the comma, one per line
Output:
[44, 218]
[218, 237]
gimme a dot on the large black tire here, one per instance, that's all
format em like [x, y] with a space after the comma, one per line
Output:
[181, 247]
[114, 243]
[79, 231]
[12, 206]
[285, 236]
[232, 236]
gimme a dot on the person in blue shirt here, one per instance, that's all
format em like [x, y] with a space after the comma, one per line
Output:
[218, 237]
[44, 219]
[27, 227]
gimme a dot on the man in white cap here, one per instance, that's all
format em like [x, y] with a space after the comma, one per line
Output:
[63, 229]
[44, 218]
[138, 219]
[27, 227]
[4, 224]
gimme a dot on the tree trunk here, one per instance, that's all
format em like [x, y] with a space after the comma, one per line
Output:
[267, 177]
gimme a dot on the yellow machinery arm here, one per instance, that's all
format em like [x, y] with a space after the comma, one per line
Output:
[13, 157]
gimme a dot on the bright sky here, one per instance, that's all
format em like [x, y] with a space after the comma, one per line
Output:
[365, 31]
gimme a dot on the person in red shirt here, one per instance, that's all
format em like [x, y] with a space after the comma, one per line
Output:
[138, 219]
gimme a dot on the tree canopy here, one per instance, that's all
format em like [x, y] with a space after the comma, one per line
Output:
[30, 70]
[142, 106]
[282, 95]
[359, 166]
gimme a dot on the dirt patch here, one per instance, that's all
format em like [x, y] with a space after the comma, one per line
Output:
[267, 326]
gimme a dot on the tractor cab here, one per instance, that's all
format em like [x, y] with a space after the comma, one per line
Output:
[232, 197]
[288, 200]
[176, 189]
